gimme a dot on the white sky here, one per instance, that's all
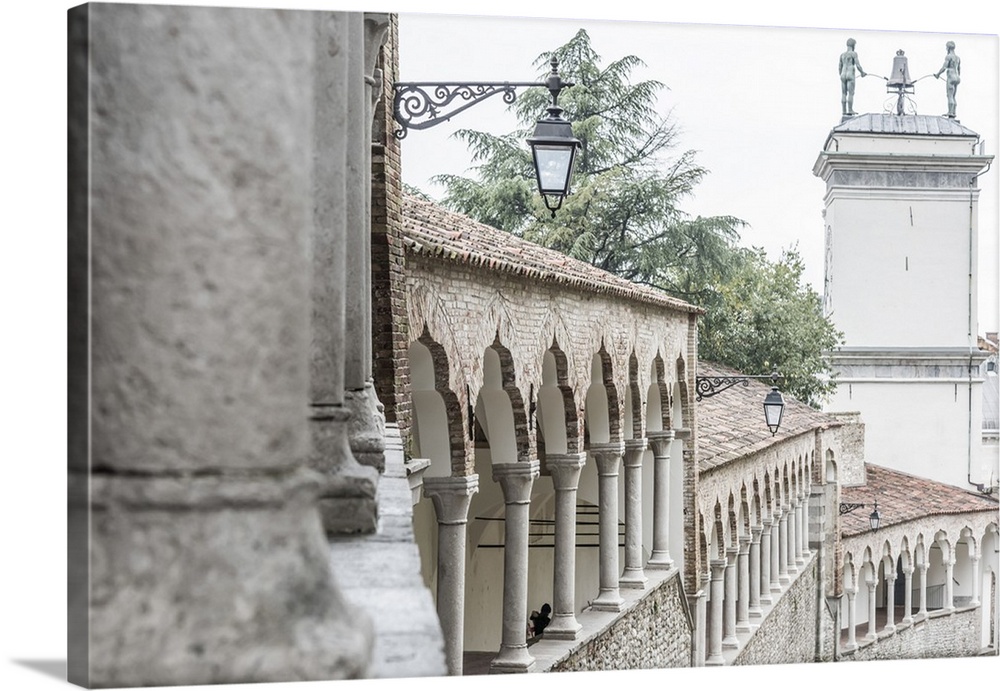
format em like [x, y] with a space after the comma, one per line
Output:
[756, 103]
[795, 92]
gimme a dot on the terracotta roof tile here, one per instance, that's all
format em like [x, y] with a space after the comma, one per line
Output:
[903, 497]
[429, 229]
[731, 424]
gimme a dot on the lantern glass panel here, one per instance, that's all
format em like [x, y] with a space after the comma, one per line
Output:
[553, 165]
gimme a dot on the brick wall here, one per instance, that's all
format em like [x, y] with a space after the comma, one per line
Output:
[390, 329]
[654, 634]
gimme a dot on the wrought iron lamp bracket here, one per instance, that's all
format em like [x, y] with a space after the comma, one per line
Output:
[422, 105]
[706, 387]
[848, 507]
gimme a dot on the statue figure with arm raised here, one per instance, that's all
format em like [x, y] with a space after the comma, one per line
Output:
[848, 62]
[953, 67]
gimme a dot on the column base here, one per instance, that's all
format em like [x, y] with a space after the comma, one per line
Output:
[366, 428]
[784, 579]
[889, 629]
[512, 660]
[743, 627]
[776, 587]
[730, 643]
[871, 637]
[716, 661]
[907, 620]
[608, 601]
[347, 492]
[765, 599]
[633, 578]
[660, 561]
[563, 627]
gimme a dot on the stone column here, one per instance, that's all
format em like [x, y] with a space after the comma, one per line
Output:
[633, 576]
[800, 533]
[565, 469]
[515, 481]
[922, 612]
[783, 547]
[907, 596]
[852, 618]
[715, 613]
[697, 605]
[890, 601]
[756, 568]
[791, 539]
[804, 530]
[729, 609]
[949, 584]
[608, 457]
[660, 443]
[451, 497]
[367, 425]
[743, 569]
[767, 575]
[974, 602]
[190, 273]
[347, 497]
[872, 584]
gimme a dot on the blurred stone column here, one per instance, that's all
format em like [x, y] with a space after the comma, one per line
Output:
[890, 601]
[974, 559]
[766, 559]
[872, 583]
[923, 589]
[743, 568]
[608, 457]
[852, 618]
[949, 583]
[451, 497]
[660, 443]
[715, 616]
[192, 136]
[731, 588]
[756, 579]
[565, 470]
[515, 481]
[633, 576]
[783, 567]
[347, 500]
[367, 425]
[907, 596]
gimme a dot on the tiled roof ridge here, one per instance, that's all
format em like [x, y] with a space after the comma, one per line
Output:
[430, 229]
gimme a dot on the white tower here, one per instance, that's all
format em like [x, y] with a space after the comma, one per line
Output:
[901, 267]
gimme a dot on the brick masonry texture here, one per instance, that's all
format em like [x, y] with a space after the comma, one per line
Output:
[654, 634]
[786, 636]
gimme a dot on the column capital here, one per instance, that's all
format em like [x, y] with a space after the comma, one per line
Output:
[608, 456]
[924, 566]
[718, 568]
[766, 522]
[565, 469]
[634, 450]
[660, 441]
[451, 497]
[908, 571]
[755, 531]
[744, 544]
[515, 480]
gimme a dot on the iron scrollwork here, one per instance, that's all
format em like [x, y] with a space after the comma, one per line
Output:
[420, 105]
[706, 387]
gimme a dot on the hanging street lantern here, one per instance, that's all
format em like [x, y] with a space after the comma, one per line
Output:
[421, 105]
[774, 406]
[553, 147]
[875, 519]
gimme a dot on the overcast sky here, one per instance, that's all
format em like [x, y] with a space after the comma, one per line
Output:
[756, 104]
[725, 109]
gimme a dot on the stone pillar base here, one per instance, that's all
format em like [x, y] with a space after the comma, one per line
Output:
[366, 430]
[563, 627]
[633, 578]
[346, 502]
[512, 660]
[206, 567]
[660, 561]
[609, 601]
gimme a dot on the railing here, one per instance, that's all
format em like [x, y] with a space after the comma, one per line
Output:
[935, 596]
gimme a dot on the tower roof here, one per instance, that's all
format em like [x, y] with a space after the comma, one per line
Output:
[890, 123]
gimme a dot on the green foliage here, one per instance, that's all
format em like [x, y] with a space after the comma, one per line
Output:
[764, 317]
[624, 216]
